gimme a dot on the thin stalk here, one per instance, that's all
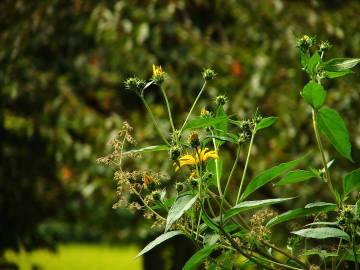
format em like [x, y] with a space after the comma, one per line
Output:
[321, 149]
[217, 167]
[193, 106]
[228, 181]
[198, 225]
[168, 108]
[153, 119]
[280, 264]
[246, 164]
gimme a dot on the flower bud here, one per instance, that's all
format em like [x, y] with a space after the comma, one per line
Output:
[208, 74]
[134, 84]
[175, 152]
[221, 100]
[194, 140]
[304, 43]
[324, 46]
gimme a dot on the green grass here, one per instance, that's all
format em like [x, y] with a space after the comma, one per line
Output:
[80, 256]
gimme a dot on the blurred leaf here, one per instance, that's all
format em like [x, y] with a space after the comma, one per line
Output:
[266, 122]
[299, 212]
[197, 259]
[337, 74]
[181, 205]
[158, 241]
[351, 181]
[322, 233]
[314, 94]
[333, 127]
[268, 175]
[340, 64]
[148, 149]
[205, 122]
[296, 177]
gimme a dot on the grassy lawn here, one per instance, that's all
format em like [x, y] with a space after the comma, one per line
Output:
[80, 256]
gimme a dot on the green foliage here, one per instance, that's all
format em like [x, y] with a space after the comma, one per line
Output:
[351, 181]
[296, 177]
[322, 233]
[314, 94]
[195, 261]
[266, 122]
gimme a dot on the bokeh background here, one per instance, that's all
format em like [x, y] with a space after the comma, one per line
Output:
[62, 98]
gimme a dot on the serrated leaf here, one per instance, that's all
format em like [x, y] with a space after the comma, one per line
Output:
[181, 205]
[266, 122]
[333, 127]
[296, 177]
[299, 212]
[322, 233]
[250, 205]
[198, 258]
[337, 74]
[205, 122]
[351, 181]
[158, 241]
[339, 64]
[268, 175]
[147, 149]
[314, 94]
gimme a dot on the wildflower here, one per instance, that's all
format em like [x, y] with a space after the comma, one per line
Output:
[204, 113]
[194, 140]
[203, 156]
[158, 75]
[208, 74]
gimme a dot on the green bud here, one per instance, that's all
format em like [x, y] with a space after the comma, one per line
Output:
[179, 187]
[324, 46]
[175, 152]
[221, 100]
[208, 74]
[305, 43]
[134, 84]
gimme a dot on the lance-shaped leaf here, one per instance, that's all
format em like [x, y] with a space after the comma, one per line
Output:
[351, 181]
[333, 127]
[268, 175]
[158, 241]
[300, 212]
[181, 205]
[266, 122]
[206, 122]
[296, 177]
[340, 64]
[337, 74]
[147, 149]
[322, 233]
[198, 258]
[250, 205]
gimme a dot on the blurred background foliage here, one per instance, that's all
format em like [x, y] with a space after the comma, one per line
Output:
[62, 98]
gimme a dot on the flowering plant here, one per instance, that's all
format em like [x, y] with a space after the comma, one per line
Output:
[231, 231]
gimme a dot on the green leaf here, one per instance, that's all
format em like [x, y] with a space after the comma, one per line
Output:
[296, 177]
[351, 181]
[304, 59]
[300, 212]
[266, 122]
[340, 64]
[322, 233]
[336, 74]
[211, 167]
[357, 209]
[249, 205]
[314, 94]
[327, 223]
[221, 128]
[205, 122]
[333, 127]
[158, 241]
[147, 149]
[181, 205]
[319, 252]
[268, 175]
[312, 63]
[197, 259]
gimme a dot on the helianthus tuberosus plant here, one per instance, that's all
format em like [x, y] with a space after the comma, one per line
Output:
[227, 227]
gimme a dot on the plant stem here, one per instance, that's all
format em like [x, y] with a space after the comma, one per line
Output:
[217, 167]
[353, 246]
[153, 119]
[228, 181]
[327, 178]
[193, 106]
[246, 164]
[168, 108]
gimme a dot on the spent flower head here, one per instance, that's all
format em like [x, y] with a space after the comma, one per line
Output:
[221, 100]
[134, 84]
[208, 74]
[305, 43]
[194, 140]
[324, 46]
[158, 75]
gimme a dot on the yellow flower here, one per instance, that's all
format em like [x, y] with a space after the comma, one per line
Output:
[189, 160]
[157, 71]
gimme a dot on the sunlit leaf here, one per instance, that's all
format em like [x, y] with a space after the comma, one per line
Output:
[322, 233]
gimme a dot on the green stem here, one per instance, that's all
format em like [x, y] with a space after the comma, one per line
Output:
[193, 106]
[353, 246]
[153, 119]
[228, 181]
[246, 164]
[327, 178]
[217, 167]
[168, 108]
